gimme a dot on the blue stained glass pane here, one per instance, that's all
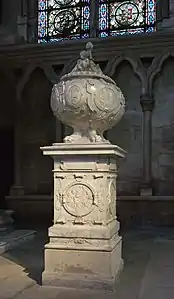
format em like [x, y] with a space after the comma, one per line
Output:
[42, 41]
[127, 32]
[85, 36]
[151, 4]
[42, 4]
[85, 18]
[63, 20]
[103, 17]
[150, 29]
[60, 20]
[126, 17]
[104, 34]
[42, 24]
[151, 12]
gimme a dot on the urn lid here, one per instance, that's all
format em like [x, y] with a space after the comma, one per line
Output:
[86, 67]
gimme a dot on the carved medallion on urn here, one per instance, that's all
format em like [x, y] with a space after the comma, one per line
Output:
[87, 100]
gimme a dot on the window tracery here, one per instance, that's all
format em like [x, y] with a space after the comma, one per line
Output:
[72, 19]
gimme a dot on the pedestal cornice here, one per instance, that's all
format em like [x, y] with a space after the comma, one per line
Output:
[59, 149]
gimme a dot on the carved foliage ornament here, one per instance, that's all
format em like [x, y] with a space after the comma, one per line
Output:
[112, 198]
[87, 100]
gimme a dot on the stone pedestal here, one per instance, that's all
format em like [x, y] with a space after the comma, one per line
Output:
[84, 249]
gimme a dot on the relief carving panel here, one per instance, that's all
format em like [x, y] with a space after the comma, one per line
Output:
[111, 209]
[85, 199]
[78, 200]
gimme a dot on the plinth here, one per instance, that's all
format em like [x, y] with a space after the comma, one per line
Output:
[84, 249]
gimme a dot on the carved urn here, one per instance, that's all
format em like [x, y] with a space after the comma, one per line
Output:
[87, 100]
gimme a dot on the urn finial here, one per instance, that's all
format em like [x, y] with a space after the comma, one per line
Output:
[88, 52]
[85, 63]
[89, 48]
[87, 100]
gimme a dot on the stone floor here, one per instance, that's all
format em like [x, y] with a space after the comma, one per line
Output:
[148, 273]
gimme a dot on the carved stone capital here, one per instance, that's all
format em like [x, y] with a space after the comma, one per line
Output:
[147, 103]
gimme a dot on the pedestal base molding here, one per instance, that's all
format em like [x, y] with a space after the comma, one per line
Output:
[82, 269]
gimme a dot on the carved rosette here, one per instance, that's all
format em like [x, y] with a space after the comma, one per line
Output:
[87, 100]
[78, 199]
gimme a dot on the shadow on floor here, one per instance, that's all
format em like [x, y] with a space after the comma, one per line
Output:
[137, 246]
[30, 255]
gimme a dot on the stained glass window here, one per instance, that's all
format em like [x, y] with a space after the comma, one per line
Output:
[70, 19]
[63, 19]
[126, 17]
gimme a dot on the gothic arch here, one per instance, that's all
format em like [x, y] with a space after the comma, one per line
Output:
[136, 64]
[156, 68]
[48, 71]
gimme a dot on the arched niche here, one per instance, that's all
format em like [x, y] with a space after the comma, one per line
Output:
[163, 130]
[38, 128]
[127, 133]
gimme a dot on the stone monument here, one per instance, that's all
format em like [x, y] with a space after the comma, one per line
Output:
[85, 249]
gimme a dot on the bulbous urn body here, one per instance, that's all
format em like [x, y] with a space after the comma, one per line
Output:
[87, 100]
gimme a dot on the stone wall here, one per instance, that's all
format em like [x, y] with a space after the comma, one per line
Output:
[127, 133]
[163, 131]
[169, 22]
[38, 128]
[8, 25]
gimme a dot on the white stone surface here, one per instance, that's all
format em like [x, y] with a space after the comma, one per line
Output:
[84, 248]
[87, 100]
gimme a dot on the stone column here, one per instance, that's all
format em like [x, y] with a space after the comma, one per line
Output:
[93, 19]
[17, 188]
[147, 105]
